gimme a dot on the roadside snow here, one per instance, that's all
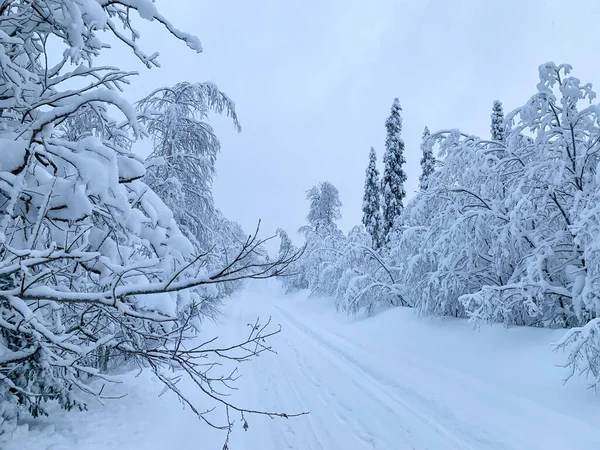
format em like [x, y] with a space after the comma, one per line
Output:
[393, 381]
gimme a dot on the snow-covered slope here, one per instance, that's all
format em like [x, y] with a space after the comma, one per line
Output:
[393, 381]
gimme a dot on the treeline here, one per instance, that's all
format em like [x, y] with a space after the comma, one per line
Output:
[504, 228]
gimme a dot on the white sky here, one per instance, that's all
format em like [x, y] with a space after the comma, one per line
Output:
[313, 82]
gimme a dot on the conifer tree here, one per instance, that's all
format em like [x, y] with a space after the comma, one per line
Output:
[497, 127]
[371, 201]
[427, 161]
[393, 175]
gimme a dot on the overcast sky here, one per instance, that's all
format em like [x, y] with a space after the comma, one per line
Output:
[313, 82]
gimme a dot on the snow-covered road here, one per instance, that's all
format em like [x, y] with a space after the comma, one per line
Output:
[391, 382]
[370, 387]
[355, 402]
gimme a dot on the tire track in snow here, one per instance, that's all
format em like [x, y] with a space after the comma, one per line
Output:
[274, 384]
[369, 380]
[348, 419]
[359, 399]
[327, 397]
[497, 434]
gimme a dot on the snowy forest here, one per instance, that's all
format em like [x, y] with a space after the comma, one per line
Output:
[114, 263]
[503, 229]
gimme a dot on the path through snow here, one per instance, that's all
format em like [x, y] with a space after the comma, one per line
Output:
[389, 382]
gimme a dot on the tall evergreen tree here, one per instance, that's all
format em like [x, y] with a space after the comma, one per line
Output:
[497, 127]
[427, 161]
[393, 174]
[372, 219]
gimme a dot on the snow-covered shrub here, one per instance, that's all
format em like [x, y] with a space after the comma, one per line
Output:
[583, 345]
[360, 279]
[503, 231]
[549, 182]
[322, 247]
[293, 279]
[508, 229]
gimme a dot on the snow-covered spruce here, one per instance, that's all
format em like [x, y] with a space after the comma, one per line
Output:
[94, 270]
[372, 219]
[394, 176]
[427, 161]
[497, 127]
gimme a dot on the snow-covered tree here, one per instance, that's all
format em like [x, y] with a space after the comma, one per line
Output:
[94, 270]
[427, 161]
[325, 205]
[359, 279]
[344, 267]
[185, 148]
[181, 167]
[497, 127]
[394, 176]
[506, 230]
[371, 208]
[293, 278]
[286, 247]
[322, 247]
[322, 236]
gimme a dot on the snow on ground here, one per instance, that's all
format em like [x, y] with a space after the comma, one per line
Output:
[393, 381]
